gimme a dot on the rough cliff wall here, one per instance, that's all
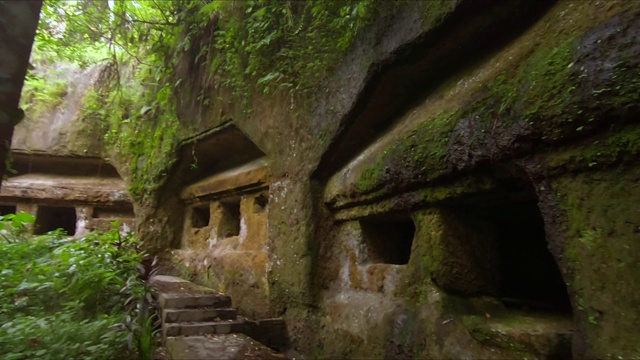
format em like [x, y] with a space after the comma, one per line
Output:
[464, 184]
[54, 101]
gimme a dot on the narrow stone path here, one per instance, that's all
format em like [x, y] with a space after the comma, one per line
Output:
[199, 323]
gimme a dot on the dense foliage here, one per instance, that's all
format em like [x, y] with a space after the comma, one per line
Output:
[66, 298]
[276, 44]
[143, 46]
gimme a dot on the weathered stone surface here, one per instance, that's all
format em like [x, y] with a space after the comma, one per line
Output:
[461, 253]
[251, 175]
[47, 188]
[42, 162]
[168, 283]
[223, 347]
[215, 323]
[89, 184]
[193, 300]
[202, 328]
[599, 243]
[422, 114]
[548, 337]
[199, 315]
[458, 127]
[61, 129]
[229, 253]
[214, 150]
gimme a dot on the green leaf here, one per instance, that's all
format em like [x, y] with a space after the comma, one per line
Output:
[145, 110]
[25, 217]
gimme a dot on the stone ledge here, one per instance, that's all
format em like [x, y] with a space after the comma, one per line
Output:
[189, 315]
[202, 328]
[548, 336]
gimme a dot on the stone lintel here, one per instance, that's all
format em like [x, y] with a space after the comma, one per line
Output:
[53, 189]
[428, 195]
[248, 176]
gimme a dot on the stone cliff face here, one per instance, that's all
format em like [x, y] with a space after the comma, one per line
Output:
[465, 184]
[58, 172]
[58, 126]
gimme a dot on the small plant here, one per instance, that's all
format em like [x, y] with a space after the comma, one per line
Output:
[14, 226]
[41, 94]
[142, 321]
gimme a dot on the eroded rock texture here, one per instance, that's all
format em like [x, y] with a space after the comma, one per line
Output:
[464, 186]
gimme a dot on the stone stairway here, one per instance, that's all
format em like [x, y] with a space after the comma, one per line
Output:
[197, 322]
[191, 314]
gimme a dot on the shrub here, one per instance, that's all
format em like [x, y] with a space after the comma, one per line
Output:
[64, 297]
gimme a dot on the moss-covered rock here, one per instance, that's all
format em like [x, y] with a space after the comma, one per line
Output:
[578, 81]
[539, 102]
[601, 243]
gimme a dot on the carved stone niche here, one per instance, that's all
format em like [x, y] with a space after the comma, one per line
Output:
[226, 205]
[75, 193]
[223, 179]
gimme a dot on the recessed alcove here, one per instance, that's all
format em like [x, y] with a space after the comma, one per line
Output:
[50, 218]
[213, 152]
[7, 209]
[200, 216]
[260, 203]
[529, 277]
[387, 239]
[26, 162]
[113, 212]
[229, 218]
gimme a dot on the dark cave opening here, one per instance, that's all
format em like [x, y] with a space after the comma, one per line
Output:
[529, 276]
[387, 240]
[50, 218]
[230, 219]
[260, 203]
[200, 216]
[7, 209]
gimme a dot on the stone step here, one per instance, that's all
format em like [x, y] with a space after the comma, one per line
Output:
[220, 347]
[195, 315]
[202, 328]
[193, 300]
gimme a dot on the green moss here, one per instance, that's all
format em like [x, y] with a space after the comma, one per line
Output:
[422, 288]
[371, 177]
[483, 333]
[550, 93]
[41, 94]
[611, 149]
[142, 130]
[532, 93]
[601, 251]
[435, 11]
[545, 78]
[307, 39]
[422, 152]
[458, 187]
[590, 238]
[154, 150]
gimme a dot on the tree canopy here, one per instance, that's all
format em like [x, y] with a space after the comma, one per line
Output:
[241, 46]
